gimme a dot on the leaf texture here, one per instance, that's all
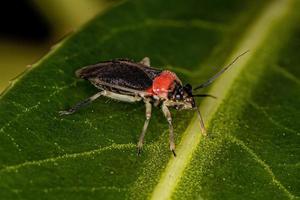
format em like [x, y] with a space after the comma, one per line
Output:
[252, 151]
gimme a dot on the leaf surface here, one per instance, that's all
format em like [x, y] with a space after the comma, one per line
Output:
[252, 149]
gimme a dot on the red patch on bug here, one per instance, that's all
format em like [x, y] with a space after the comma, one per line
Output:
[163, 84]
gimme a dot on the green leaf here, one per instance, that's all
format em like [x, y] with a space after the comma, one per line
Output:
[252, 150]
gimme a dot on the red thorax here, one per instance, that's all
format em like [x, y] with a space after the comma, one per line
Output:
[163, 84]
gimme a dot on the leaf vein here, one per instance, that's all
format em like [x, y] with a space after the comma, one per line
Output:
[72, 189]
[27, 110]
[15, 168]
[287, 74]
[274, 122]
[268, 169]
[195, 23]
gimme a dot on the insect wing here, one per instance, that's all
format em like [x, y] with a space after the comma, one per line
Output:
[122, 73]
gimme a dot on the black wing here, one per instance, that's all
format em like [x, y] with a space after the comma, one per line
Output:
[120, 72]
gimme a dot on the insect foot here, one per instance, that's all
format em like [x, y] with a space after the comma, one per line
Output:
[172, 148]
[65, 112]
[174, 153]
[139, 149]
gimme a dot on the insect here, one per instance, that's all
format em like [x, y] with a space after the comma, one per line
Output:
[128, 81]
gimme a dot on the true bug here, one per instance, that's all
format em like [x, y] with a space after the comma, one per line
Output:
[128, 81]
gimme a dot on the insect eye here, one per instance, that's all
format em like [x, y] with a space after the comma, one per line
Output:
[188, 89]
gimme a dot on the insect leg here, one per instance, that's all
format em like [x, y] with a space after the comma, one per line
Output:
[145, 61]
[169, 119]
[81, 104]
[121, 97]
[203, 130]
[148, 116]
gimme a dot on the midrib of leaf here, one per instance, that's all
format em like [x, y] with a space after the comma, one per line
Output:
[253, 38]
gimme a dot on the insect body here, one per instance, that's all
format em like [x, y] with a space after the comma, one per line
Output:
[125, 80]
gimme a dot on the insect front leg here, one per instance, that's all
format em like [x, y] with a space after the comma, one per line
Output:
[146, 123]
[81, 104]
[167, 114]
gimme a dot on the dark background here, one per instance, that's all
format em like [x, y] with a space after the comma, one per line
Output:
[30, 27]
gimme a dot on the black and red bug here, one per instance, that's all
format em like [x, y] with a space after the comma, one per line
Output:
[128, 81]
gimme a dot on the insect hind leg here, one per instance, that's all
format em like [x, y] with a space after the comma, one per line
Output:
[81, 104]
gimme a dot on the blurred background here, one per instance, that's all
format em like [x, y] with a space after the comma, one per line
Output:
[30, 27]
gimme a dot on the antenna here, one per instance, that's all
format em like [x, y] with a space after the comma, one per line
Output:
[209, 81]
